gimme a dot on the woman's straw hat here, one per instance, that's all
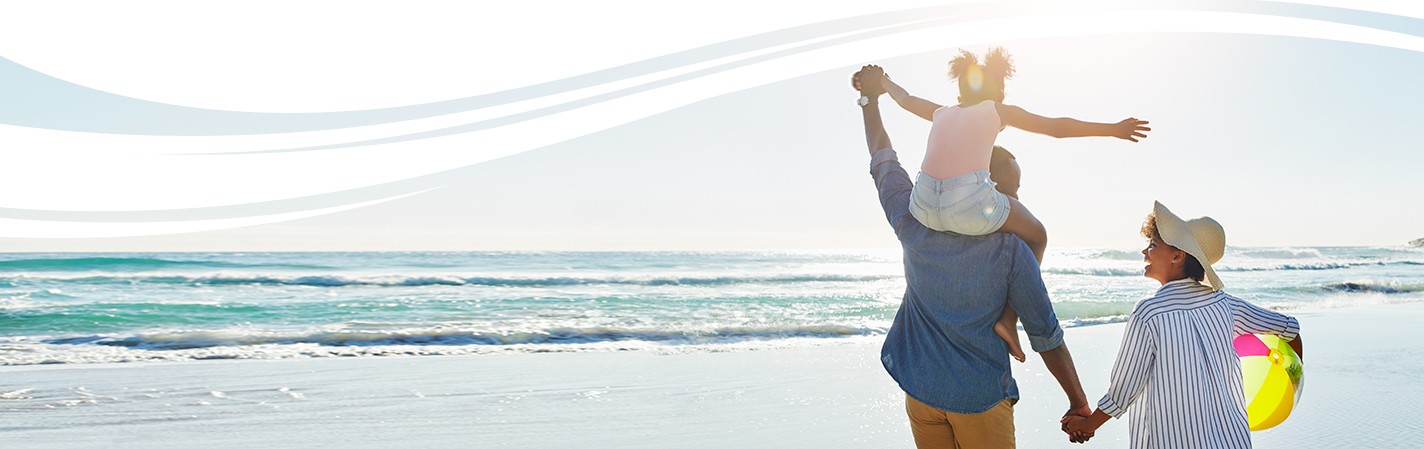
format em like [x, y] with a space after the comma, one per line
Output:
[1201, 237]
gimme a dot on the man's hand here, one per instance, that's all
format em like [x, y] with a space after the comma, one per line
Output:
[867, 81]
[875, 137]
[1078, 428]
[1079, 416]
[1130, 129]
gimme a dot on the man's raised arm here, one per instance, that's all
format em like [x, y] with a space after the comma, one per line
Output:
[867, 81]
[891, 181]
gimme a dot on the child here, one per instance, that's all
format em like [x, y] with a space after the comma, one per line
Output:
[953, 191]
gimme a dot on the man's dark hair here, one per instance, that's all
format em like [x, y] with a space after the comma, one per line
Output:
[1000, 156]
[1003, 171]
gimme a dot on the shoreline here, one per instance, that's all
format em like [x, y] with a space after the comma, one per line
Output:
[1361, 374]
[313, 351]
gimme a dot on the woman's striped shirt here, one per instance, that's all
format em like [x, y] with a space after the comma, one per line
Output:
[1178, 371]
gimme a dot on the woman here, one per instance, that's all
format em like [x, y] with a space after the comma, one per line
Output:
[1177, 368]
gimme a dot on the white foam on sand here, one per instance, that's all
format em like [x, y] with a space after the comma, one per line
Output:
[1361, 365]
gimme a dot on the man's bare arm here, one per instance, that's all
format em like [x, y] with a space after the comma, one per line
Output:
[876, 138]
[1060, 363]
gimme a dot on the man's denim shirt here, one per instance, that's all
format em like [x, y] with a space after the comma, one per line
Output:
[942, 348]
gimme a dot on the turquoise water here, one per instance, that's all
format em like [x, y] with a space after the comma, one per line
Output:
[73, 308]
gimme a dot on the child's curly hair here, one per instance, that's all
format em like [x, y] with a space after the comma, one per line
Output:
[981, 82]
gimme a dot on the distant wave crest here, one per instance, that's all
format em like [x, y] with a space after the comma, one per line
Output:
[1079, 322]
[1113, 254]
[1316, 266]
[1374, 287]
[121, 264]
[1094, 271]
[420, 281]
[237, 344]
[436, 337]
[1279, 253]
[1304, 266]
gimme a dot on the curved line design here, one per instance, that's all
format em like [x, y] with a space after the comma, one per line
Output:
[144, 139]
[17, 228]
[41, 101]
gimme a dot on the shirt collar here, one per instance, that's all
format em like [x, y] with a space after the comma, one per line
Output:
[1179, 283]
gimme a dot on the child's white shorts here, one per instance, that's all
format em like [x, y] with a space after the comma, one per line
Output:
[965, 204]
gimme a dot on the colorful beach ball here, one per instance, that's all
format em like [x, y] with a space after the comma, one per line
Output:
[1273, 378]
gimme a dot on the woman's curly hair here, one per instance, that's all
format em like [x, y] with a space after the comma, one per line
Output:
[1194, 266]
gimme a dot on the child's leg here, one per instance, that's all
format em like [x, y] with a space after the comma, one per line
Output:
[1007, 328]
[1022, 223]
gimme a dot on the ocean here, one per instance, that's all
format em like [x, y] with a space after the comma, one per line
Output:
[126, 307]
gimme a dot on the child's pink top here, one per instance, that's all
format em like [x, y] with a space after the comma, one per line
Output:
[961, 140]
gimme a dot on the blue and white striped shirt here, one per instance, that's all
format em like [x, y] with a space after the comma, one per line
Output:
[1179, 372]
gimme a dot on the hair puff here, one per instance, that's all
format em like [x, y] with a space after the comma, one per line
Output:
[998, 63]
[959, 66]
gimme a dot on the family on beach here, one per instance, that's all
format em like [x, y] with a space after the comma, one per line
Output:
[972, 253]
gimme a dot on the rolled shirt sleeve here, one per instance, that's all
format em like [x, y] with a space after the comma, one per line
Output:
[1029, 299]
[1135, 360]
[1252, 319]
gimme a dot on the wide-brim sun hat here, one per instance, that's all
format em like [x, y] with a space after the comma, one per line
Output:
[1202, 237]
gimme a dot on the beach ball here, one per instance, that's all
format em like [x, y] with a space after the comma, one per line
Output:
[1272, 376]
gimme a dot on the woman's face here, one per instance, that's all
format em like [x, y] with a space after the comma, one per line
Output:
[1160, 257]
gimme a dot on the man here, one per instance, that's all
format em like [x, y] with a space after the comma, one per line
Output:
[1004, 171]
[941, 348]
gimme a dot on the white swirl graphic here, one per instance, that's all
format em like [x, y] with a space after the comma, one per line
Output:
[70, 229]
[75, 171]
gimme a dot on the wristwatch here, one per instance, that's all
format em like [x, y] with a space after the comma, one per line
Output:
[863, 101]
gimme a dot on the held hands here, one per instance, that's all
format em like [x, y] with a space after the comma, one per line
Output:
[868, 80]
[1076, 425]
[1077, 429]
[1130, 129]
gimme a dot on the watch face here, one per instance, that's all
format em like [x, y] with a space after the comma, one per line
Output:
[863, 100]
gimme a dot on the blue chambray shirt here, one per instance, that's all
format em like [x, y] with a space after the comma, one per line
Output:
[942, 348]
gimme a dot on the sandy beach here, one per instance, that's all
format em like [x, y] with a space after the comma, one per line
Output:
[1362, 391]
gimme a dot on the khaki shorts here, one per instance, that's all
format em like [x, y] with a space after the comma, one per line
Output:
[935, 428]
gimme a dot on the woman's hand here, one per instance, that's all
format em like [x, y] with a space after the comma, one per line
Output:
[1078, 428]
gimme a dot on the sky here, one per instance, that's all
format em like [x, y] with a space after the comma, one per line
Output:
[355, 126]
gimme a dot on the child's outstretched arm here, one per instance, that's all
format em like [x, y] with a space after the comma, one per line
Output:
[1127, 129]
[916, 105]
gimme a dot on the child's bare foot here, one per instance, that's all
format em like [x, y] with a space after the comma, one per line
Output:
[1009, 332]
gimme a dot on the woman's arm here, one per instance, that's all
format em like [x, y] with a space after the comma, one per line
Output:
[916, 105]
[1127, 129]
[1136, 360]
[1252, 319]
